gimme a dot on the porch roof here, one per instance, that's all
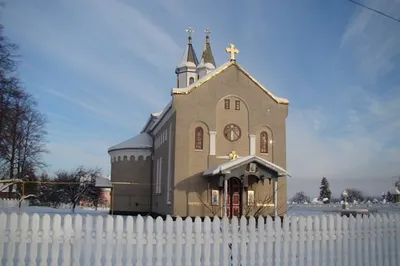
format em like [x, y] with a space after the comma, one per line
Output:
[227, 166]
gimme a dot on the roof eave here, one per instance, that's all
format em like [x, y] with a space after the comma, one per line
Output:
[217, 71]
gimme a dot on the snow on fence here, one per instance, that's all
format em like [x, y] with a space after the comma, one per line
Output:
[13, 203]
[116, 240]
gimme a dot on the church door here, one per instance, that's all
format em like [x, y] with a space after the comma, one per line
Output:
[234, 204]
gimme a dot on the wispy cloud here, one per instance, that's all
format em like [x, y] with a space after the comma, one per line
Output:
[373, 39]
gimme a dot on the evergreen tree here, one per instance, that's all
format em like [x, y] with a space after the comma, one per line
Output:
[324, 191]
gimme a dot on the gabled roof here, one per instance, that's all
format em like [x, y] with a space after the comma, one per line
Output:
[221, 69]
[227, 166]
[141, 141]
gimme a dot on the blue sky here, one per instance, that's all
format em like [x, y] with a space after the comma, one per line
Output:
[98, 68]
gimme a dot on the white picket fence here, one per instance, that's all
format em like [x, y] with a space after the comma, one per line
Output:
[115, 240]
[13, 203]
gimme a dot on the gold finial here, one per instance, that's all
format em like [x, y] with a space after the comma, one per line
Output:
[232, 50]
[207, 32]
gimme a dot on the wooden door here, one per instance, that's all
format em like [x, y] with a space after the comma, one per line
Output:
[234, 204]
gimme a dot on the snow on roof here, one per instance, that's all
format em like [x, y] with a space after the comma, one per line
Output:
[141, 141]
[202, 79]
[242, 161]
[395, 191]
[160, 117]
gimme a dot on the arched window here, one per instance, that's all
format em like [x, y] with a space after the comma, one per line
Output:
[198, 138]
[263, 142]
[191, 80]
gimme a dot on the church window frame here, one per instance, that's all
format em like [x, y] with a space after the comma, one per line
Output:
[232, 132]
[237, 105]
[191, 80]
[264, 142]
[227, 104]
[198, 138]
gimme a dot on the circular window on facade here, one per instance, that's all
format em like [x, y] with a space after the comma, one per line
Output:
[232, 132]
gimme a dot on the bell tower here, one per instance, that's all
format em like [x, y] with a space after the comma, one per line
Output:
[207, 62]
[186, 69]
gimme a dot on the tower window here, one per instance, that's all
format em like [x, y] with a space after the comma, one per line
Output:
[263, 142]
[191, 80]
[227, 103]
[237, 105]
[198, 135]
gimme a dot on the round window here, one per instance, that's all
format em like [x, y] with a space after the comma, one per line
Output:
[232, 132]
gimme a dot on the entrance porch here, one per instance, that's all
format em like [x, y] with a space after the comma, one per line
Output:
[235, 179]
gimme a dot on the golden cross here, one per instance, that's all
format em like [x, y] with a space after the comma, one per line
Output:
[232, 50]
[190, 31]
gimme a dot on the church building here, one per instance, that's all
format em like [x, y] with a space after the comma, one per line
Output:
[218, 148]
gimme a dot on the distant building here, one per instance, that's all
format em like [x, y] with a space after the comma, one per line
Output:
[217, 148]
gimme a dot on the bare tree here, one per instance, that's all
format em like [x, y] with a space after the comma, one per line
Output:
[75, 185]
[22, 126]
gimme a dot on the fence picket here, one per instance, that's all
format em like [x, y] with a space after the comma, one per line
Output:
[339, 240]
[331, 237]
[359, 238]
[188, 240]
[397, 238]
[23, 223]
[226, 232]
[179, 241]
[286, 233]
[324, 237]
[129, 224]
[385, 240]
[243, 241]
[367, 239]
[216, 242]
[261, 240]
[373, 234]
[77, 240]
[169, 228]
[34, 238]
[392, 240]
[379, 239]
[301, 248]
[270, 241]
[159, 241]
[235, 241]
[98, 254]
[119, 230]
[45, 232]
[66, 240]
[149, 240]
[197, 245]
[319, 240]
[352, 236]
[252, 244]
[87, 247]
[278, 240]
[293, 239]
[207, 241]
[139, 240]
[309, 241]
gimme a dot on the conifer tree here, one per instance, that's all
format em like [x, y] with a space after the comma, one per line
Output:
[325, 192]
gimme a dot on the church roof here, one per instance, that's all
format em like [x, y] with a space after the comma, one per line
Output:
[232, 164]
[207, 58]
[218, 71]
[189, 58]
[141, 141]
